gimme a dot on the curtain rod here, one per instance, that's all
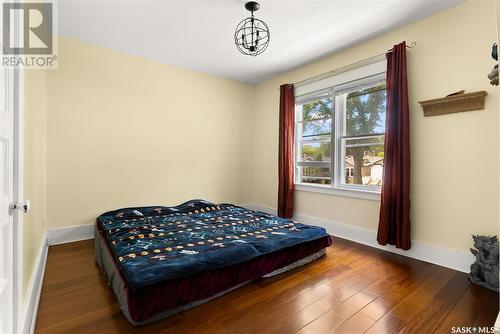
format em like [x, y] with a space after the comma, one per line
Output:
[346, 68]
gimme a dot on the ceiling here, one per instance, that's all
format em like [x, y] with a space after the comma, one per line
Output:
[198, 34]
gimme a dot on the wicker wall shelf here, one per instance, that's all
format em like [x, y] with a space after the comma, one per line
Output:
[453, 103]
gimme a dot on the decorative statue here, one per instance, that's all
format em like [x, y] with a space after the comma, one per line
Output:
[484, 272]
[493, 76]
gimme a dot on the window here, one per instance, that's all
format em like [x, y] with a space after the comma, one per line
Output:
[340, 135]
[314, 128]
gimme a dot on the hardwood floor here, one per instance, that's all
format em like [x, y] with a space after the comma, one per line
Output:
[354, 289]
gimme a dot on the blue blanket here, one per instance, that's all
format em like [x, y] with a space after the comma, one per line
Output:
[155, 244]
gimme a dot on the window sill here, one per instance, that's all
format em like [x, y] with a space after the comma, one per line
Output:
[353, 193]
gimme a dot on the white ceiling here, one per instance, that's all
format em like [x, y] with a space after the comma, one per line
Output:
[198, 34]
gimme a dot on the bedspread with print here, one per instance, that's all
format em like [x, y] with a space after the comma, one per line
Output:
[157, 243]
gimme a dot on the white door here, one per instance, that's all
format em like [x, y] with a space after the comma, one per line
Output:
[6, 198]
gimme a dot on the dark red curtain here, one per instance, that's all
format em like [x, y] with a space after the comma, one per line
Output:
[285, 155]
[394, 222]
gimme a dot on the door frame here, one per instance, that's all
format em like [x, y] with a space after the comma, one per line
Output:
[14, 85]
[17, 215]
[15, 103]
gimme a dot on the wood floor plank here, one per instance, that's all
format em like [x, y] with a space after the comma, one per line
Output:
[323, 324]
[486, 315]
[271, 312]
[358, 323]
[382, 305]
[387, 324]
[354, 289]
[468, 310]
[428, 319]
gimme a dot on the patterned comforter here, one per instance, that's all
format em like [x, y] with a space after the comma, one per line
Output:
[155, 244]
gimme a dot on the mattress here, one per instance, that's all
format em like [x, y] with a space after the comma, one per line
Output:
[162, 260]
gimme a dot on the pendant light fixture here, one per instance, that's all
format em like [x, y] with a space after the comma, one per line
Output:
[252, 35]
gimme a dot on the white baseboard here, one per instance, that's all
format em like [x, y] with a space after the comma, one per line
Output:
[451, 258]
[35, 289]
[446, 257]
[67, 234]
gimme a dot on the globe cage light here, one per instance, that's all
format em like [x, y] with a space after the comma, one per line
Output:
[252, 35]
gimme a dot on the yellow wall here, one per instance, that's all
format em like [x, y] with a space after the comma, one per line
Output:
[498, 18]
[34, 224]
[120, 130]
[454, 157]
[125, 131]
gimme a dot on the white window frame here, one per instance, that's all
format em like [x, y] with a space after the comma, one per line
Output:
[298, 134]
[362, 76]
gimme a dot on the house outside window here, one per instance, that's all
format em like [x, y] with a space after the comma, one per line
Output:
[340, 129]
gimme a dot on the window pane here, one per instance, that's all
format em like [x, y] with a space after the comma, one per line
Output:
[319, 151]
[314, 128]
[365, 111]
[320, 108]
[364, 161]
[315, 175]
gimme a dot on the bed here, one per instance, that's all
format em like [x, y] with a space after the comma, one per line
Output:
[161, 260]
